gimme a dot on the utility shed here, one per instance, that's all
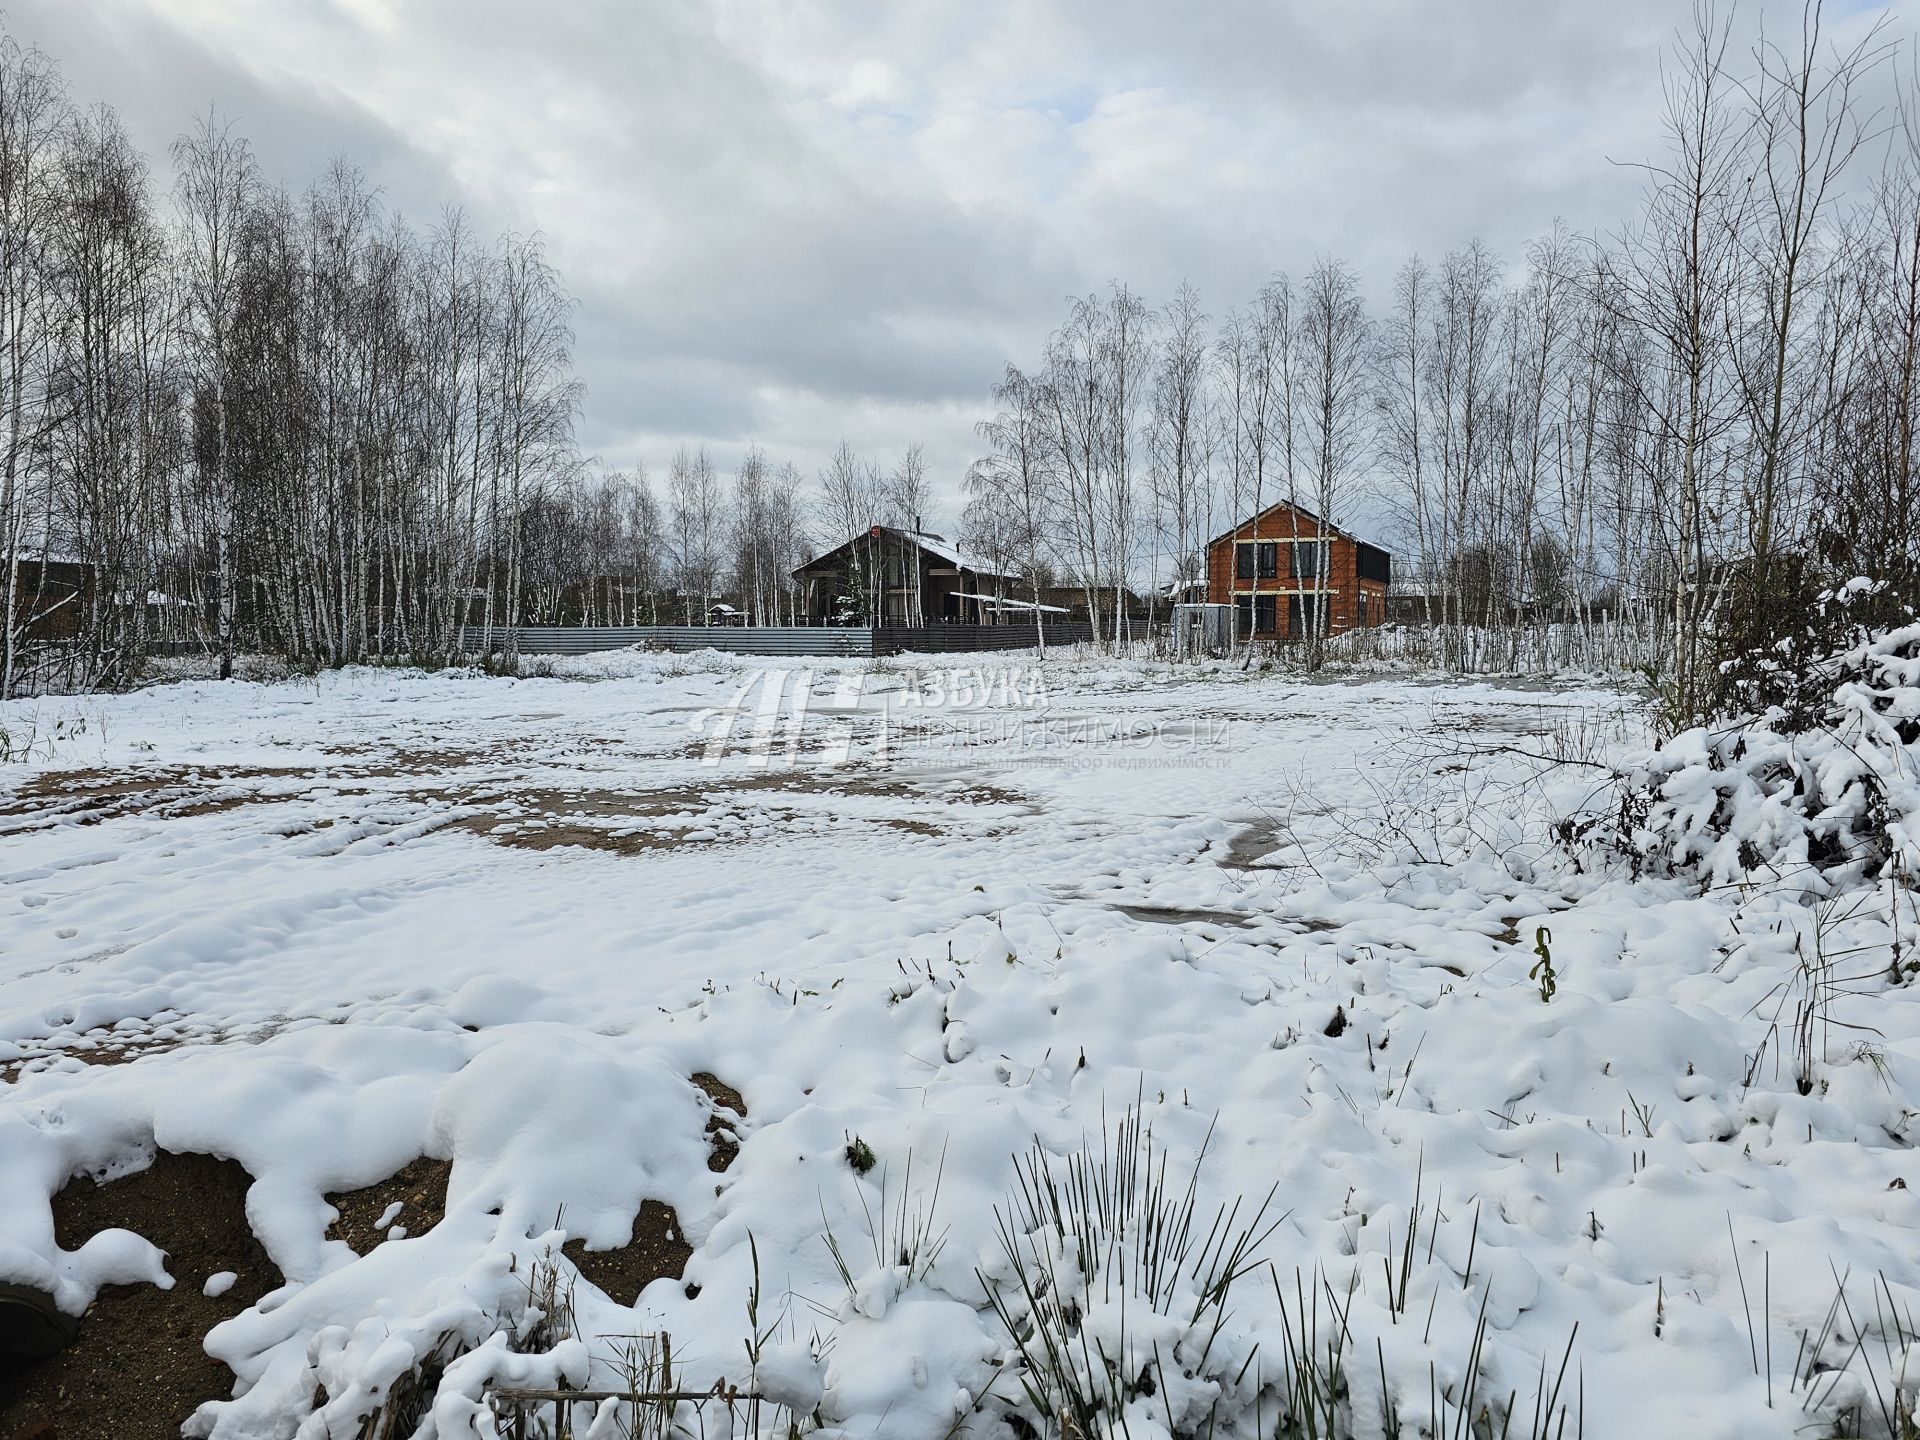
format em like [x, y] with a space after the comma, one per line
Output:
[1289, 574]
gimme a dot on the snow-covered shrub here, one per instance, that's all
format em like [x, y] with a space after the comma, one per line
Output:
[1821, 788]
[1114, 1291]
[427, 1370]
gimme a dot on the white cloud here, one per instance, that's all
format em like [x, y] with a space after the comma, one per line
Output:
[792, 222]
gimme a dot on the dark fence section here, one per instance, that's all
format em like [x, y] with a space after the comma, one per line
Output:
[954, 639]
[769, 640]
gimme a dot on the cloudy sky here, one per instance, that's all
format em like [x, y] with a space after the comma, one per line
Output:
[792, 221]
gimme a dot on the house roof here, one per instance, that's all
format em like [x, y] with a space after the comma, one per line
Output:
[935, 545]
[995, 602]
[1295, 505]
[38, 546]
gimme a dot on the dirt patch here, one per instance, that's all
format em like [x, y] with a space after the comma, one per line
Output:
[89, 797]
[657, 1250]
[1173, 915]
[96, 1055]
[841, 780]
[910, 827]
[406, 760]
[418, 1188]
[723, 1143]
[1253, 845]
[545, 819]
[614, 821]
[138, 1368]
[553, 836]
[125, 1046]
[848, 780]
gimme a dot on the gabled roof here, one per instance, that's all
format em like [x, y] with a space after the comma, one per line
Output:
[1296, 506]
[38, 546]
[934, 545]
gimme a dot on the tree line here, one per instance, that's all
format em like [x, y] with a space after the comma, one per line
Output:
[1665, 442]
[253, 420]
[293, 422]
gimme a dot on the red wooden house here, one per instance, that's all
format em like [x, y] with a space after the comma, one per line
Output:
[1286, 572]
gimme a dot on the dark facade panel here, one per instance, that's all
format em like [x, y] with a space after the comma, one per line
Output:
[1375, 564]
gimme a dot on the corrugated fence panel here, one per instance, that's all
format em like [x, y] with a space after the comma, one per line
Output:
[742, 640]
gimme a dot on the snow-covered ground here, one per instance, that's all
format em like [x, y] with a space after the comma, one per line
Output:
[326, 927]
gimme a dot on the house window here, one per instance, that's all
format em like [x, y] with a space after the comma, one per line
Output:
[1254, 615]
[1363, 607]
[1306, 560]
[1303, 613]
[1256, 560]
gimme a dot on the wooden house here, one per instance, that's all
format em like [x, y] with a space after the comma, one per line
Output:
[1287, 573]
[886, 576]
[52, 598]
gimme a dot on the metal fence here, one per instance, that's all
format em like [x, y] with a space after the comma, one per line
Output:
[767, 639]
[953, 639]
[739, 639]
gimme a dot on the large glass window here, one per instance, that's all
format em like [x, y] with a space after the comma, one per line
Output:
[1256, 560]
[1306, 560]
[1255, 614]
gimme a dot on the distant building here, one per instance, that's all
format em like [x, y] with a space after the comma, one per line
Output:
[1072, 601]
[52, 597]
[886, 576]
[1286, 572]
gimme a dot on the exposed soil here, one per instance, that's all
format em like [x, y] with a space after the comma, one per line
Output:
[138, 1368]
[88, 797]
[419, 1188]
[98, 1055]
[123, 1045]
[405, 760]
[542, 818]
[585, 837]
[1253, 845]
[656, 1249]
[1173, 915]
[590, 819]
[910, 827]
[722, 1143]
[607, 820]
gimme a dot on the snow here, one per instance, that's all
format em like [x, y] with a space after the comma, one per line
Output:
[348, 921]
